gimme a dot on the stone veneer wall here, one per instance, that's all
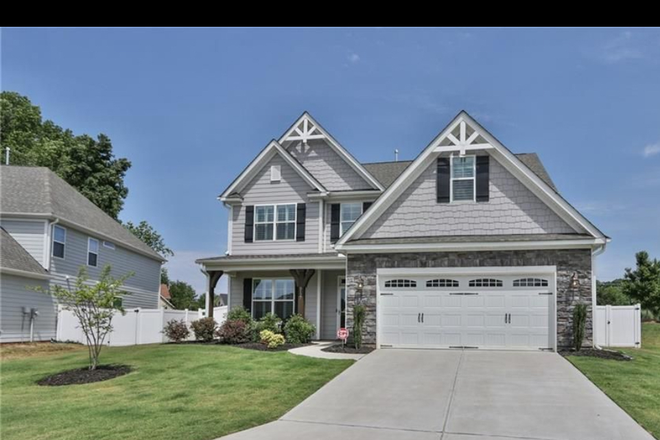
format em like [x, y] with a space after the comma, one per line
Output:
[567, 261]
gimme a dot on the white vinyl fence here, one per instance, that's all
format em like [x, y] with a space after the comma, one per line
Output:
[137, 326]
[619, 326]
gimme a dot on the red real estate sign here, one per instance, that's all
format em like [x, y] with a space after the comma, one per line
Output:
[342, 334]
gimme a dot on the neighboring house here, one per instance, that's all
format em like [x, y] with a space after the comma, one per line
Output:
[469, 245]
[62, 230]
[164, 300]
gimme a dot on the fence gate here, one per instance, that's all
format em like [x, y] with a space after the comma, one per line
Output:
[619, 326]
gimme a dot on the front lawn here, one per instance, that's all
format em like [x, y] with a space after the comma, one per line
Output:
[634, 385]
[187, 391]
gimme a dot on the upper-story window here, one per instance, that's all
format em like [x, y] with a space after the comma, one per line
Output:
[59, 241]
[349, 214]
[109, 245]
[463, 178]
[92, 252]
[275, 222]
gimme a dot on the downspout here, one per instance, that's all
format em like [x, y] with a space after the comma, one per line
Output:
[594, 298]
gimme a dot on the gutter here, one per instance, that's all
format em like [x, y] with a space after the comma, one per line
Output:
[597, 250]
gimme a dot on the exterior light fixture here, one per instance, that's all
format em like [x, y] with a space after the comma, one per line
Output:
[575, 281]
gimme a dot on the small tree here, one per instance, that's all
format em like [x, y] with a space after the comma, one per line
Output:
[94, 305]
[359, 313]
[579, 321]
[643, 283]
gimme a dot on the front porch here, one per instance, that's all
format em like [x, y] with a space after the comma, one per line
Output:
[310, 284]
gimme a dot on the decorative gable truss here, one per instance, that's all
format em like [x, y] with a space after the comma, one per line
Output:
[463, 135]
[306, 129]
[271, 150]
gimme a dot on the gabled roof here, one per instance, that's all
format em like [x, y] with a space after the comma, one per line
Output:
[463, 134]
[39, 192]
[165, 291]
[307, 128]
[272, 149]
[387, 172]
[15, 259]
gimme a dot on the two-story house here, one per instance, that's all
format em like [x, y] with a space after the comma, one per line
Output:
[49, 230]
[469, 245]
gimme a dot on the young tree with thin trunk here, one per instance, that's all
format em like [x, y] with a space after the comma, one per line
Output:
[94, 305]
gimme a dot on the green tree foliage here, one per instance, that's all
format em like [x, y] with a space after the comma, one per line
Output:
[85, 163]
[164, 276]
[183, 295]
[611, 293]
[642, 285]
[145, 232]
[94, 306]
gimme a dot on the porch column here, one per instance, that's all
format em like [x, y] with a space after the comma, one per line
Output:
[214, 277]
[301, 277]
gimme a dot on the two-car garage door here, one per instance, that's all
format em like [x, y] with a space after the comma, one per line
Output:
[499, 308]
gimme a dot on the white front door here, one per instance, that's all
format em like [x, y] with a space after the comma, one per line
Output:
[444, 310]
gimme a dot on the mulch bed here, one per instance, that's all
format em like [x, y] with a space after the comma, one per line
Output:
[261, 347]
[602, 354]
[84, 375]
[349, 349]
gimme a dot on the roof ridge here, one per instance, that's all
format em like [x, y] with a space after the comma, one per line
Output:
[387, 161]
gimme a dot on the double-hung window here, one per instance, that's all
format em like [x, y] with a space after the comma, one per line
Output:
[59, 241]
[275, 222]
[273, 296]
[349, 214]
[463, 178]
[92, 252]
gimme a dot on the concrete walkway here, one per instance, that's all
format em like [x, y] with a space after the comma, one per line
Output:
[315, 350]
[455, 395]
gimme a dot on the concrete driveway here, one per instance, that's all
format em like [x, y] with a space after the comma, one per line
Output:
[455, 395]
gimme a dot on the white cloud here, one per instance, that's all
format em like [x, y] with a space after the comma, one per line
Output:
[621, 48]
[353, 57]
[651, 150]
[182, 267]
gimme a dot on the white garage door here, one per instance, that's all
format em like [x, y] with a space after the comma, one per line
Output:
[497, 309]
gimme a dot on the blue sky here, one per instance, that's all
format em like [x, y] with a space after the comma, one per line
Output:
[191, 107]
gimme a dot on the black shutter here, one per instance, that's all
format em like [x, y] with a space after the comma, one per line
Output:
[482, 178]
[442, 180]
[301, 215]
[249, 223]
[365, 206]
[247, 294]
[334, 222]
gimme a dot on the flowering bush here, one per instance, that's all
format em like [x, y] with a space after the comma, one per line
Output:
[270, 339]
[234, 332]
[176, 331]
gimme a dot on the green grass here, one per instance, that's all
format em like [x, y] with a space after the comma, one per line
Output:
[176, 391]
[634, 385]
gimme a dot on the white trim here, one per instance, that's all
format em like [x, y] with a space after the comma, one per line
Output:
[319, 274]
[44, 257]
[112, 247]
[272, 299]
[338, 317]
[261, 160]
[24, 273]
[341, 215]
[230, 229]
[275, 173]
[286, 137]
[594, 296]
[476, 246]
[63, 257]
[276, 267]
[275, 222]
[365, 196]
[320, 234]
[500, 152]
[452, 178]
[485, 270]
[98, 249]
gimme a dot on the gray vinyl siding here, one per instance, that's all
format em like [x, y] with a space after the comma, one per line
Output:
[143, 286]
[328, 167]
[511, 209]
[14, 295]
[327, 223]
[236, 290]
[30, 234]
[329, 304]
[261, 191]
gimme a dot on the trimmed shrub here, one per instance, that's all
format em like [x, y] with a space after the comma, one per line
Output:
[204, 329]
[234, 332]
[176, 331]
[270, 322]
[359, 313]
[239, 314]
[298, 330]
[579, 321]
[271, 339]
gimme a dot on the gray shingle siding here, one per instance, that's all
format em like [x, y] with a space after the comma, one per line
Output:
[30, 234]
[144, 284]
[334, 173]
[512, 209]
[15, 294]
[261, 191]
